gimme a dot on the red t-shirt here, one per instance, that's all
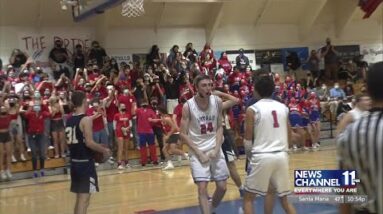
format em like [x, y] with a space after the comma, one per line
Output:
[122, 120]
[225, 65]
[178, 112]
[111, 111]
[98, 123]
[4, 121]
[102, 90]
[128, 101]
[158, 116]
[143, 125]
[89, 97]
[121, 84]
[36, 121]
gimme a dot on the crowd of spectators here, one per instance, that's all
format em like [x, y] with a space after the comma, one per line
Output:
[124, 98]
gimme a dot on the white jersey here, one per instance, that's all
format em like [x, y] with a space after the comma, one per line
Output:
[356, 114]
[203, 124]
[270, 126]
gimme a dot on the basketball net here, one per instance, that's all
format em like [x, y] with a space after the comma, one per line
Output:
[132, 8]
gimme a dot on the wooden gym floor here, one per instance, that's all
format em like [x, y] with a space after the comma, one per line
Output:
[132, 191]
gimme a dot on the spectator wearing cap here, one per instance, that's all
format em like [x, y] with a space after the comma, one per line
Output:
[242, 61]
[58, 59]
[97, 53]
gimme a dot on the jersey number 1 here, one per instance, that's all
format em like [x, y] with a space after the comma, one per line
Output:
[275, 118]
[209, 128]
[71, 135]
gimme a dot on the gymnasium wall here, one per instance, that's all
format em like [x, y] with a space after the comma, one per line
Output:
[127, 41]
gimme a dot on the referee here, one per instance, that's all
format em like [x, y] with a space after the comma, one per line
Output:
[360, 147]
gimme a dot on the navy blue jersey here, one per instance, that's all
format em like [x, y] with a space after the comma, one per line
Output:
[76, 139]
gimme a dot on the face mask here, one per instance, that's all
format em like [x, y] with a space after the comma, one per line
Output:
[126, 92]
[336, 86]
[47, 94]
[95, 105]
[123, 109]
[36, 108]
[324, 87]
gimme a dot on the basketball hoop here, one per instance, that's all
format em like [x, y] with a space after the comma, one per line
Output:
[133, 8]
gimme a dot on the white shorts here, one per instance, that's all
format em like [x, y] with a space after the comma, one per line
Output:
[265, 169]
[215, 170]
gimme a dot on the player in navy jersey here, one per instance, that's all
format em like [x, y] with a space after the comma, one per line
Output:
[81, 145]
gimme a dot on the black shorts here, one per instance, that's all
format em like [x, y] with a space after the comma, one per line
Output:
[227, 146]
[57, 125]
[84, 177]
[5, 137]
[173, 138]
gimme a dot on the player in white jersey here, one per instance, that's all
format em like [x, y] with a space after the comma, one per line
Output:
[201, 130]
[362, 105]
[267, 138]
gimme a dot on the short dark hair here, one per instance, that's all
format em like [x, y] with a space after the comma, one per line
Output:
[78, 98]
[374, 81]
[199, 78]
[264, 84]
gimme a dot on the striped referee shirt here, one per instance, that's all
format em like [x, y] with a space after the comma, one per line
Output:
[360, 148]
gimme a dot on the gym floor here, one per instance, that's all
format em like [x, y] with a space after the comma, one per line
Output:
[148, 190]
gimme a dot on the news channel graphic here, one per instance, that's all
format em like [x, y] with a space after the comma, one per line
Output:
[325, 181]
[326, 186]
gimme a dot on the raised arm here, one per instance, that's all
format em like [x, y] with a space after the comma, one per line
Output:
[219, 133]
[229, 102]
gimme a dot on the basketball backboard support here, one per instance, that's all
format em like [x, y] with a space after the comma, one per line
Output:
[88, 8]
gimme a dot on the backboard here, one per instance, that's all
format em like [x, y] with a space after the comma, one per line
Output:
[84, 9]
